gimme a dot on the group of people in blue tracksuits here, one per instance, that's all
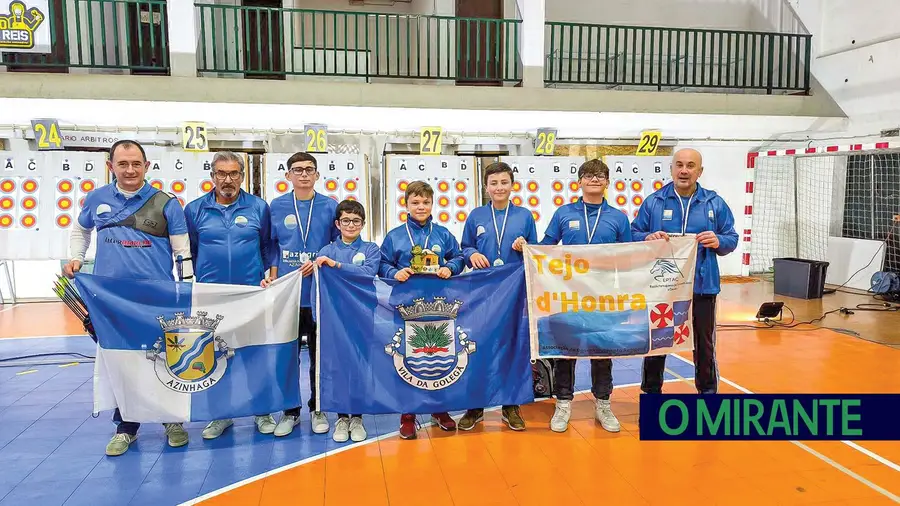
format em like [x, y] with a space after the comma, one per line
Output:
[230, 236]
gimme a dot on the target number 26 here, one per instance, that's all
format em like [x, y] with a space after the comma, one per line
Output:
[648, 143]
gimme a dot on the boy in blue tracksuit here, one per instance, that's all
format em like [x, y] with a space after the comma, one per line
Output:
[590, 220]
[230, 233]
[708, 216]
[396, 258]
[350, 253]
[302, 224]
[493, 235]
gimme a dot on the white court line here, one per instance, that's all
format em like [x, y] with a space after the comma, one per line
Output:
[214, 493]
[13, 306]
[839, 467]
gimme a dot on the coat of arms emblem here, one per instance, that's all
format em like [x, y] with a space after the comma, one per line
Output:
[189, 356]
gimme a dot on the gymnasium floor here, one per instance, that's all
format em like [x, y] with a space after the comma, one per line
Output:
[52, 449]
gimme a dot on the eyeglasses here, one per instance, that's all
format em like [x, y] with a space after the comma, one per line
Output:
[590, 177]
[356, 222]
[302, 170]
[221, 176]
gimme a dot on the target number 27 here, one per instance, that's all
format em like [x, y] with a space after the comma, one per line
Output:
[648, 143]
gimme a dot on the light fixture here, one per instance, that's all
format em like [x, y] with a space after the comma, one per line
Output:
[769, 310]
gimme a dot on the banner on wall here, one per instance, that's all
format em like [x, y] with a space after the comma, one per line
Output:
[24, 26]
[423, 346]
[183, 352]
[610, 300]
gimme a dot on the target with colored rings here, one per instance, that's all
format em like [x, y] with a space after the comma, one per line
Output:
[29, 203]
[461, 201]
[460, 186]
[402, 186]
[517, 186]
[350, 185]
[402, 201]
[532, 186]
[177, 186]
[621, 200]
[620, 185]
[331, 185]
[635, 213]
[558, 186]
[63, 220]
[657, 185]
[351, 197]
[28, 220]
[64, 203]
[574, 199]
[636, 186]
[6, 220]
[442, 201]
[444, 216]
[206, 186]
[536, 215]
[533, 201]
[403, 217]
[181, 201]
[29, 186]
[281, 186]
[517, 200]
[156, 183]
[64, 186]
[461, 216]
[443, 186]
[558, 201]
[88, 185]
[7, 203]
[573, 186]
[637, 200]
[7, 185]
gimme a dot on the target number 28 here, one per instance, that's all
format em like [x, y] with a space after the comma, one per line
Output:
[648, 143]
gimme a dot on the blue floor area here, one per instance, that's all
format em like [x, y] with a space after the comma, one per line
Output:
[52, 448]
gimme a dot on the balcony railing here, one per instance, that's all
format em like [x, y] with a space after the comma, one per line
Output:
[268, 42]
[101, 34]
[634, 56]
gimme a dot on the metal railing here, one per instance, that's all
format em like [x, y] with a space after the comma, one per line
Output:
[101, 34]
[269, 42]
[610, 55]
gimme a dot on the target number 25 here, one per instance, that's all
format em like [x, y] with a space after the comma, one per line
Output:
[648, 143]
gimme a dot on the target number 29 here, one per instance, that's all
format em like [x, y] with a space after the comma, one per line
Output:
[648, 143]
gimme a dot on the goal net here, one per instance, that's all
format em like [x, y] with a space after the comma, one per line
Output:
[799, 201]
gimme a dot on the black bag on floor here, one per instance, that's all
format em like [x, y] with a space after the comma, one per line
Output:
[542, 371]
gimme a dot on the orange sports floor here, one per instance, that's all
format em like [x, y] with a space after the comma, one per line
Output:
[587, 465]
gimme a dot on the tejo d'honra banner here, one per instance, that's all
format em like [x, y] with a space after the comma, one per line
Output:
[611, 300]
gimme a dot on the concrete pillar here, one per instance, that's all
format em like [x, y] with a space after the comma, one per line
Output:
[531, 45]
[182, 38]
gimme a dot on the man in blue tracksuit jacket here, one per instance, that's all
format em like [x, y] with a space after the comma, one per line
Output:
[302, 224]
[350, 254]
[663, 214]
[494, 235]
[231, 243]
[590, 220]
[396, 257]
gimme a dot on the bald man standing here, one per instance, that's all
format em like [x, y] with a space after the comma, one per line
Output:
[684, 207]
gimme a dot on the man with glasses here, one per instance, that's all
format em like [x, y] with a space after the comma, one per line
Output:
[590, 220]
[302, 224]
[230, 233]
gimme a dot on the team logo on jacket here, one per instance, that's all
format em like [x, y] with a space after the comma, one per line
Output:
[189, 356]
[425, 350]
[358, 259]
[241, 221]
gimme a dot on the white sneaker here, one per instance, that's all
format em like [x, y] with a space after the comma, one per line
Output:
[216, 428]
[265, 424]
[319, 422]
[286, 425]
[606, 417]
[341, 430]
[357, 430]
[560, 420]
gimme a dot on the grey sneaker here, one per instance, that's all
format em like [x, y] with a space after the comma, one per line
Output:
[606, 417]
[319, 422]
[357, 430]
[177, 435]
[216, 428]
[119, 444]
[286, 425]
[265, 424]
[560, 420]
[341, 430]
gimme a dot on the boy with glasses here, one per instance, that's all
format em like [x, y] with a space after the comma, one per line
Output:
[302, 224]
[350, 253]
[590, 220]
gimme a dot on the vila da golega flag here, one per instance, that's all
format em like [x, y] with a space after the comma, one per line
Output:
[423, 346]
[611, 300]
[179, 352]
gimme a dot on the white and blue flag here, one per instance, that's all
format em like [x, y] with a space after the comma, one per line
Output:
[180, 352]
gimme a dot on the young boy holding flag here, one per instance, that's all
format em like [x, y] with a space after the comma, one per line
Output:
[350, 253]
[494, 235]
[421, 233]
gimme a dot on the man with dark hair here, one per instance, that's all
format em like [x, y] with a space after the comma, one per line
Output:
[684, 207]
[141, 234]
[422, 234]
[231, 236]
[350, 253]
[302, 224]
[493, 236]
[590, 220]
